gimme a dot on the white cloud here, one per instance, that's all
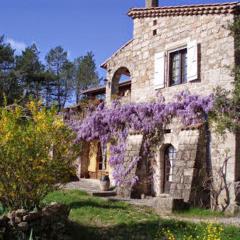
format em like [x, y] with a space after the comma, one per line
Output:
[18, 46]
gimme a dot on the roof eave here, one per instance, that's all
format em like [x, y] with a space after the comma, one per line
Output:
[104, 64]
[217, 8]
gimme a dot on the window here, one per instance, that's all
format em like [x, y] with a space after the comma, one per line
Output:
[178, 67]
[169, 162]
[170, 157]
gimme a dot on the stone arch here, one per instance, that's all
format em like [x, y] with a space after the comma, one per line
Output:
[121, 75]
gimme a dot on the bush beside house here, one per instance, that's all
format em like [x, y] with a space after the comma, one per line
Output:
[37, 153]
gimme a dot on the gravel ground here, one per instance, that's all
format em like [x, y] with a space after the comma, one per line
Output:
[87, 185]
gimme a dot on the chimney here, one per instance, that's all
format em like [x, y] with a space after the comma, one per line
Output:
[151, 3]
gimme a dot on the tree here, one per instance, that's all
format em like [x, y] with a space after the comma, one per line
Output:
[60, 67]
[56, 82]
[48, 88]
[85, 74]
[9, 84]
[31, 72]
[37, 153]
[68, 76]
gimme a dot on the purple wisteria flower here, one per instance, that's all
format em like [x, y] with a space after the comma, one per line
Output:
[114, 123]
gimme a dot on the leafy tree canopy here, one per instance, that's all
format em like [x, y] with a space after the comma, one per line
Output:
[56, 81]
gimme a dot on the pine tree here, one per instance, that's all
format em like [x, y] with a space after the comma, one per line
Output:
[31, 72]
[86, 75]
[10, 88]
[60, 67]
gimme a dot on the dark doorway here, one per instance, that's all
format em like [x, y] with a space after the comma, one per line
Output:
[169, 161]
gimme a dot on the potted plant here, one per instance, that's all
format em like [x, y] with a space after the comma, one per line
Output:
[104, 183]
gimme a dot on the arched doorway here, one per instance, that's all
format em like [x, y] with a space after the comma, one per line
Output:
[121, 82]
[169, 162]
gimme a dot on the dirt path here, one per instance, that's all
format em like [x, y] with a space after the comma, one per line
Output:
[234, 221]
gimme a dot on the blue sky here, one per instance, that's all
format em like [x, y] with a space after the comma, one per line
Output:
[101, 26]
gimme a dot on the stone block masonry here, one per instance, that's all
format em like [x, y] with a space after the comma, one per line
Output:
[163, 30]
[216, 55]
[134, 143]
[47, 224]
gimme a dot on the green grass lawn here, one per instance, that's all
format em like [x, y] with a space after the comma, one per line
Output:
[199, 212]
[94, 218]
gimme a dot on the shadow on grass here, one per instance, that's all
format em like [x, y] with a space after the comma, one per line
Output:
[145, 231]
[88, 203]
[148, 230]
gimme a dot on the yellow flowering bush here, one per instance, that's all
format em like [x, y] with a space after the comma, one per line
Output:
[36, 153]
[169, 235]
[212, 232]
[201, 232]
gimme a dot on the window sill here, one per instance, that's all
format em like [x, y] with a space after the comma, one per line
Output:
[181, 84]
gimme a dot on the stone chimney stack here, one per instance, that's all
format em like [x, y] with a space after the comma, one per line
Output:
[151, 3]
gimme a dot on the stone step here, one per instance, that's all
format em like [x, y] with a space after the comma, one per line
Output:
[166, 205]
[103, 193]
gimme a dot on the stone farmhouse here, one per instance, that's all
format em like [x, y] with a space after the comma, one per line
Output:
[174, 49]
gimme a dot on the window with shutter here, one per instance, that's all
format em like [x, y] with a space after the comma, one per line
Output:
[159, 77]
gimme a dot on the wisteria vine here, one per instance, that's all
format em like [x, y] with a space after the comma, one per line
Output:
[113, 124]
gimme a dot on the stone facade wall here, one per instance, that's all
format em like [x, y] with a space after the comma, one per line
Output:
[216, 53]
[224, 158]
[216, 60]
[134, 144]
[190, 164]
[185, 165]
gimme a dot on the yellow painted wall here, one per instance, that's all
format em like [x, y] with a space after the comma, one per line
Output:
[92, 167]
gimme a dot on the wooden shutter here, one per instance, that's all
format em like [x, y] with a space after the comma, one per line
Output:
[159, 76]
[192, 61]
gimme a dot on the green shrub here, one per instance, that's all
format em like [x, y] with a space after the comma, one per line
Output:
[36, 153]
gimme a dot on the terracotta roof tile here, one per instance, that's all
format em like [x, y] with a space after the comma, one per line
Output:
[188, 10]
